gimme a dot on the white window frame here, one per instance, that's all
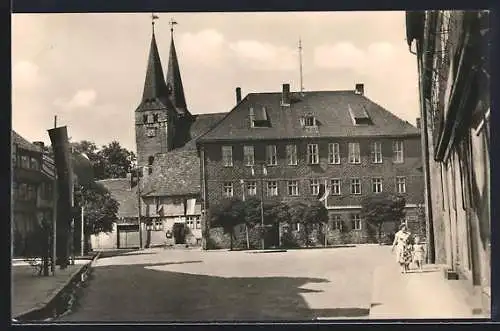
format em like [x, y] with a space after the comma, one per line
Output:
[314, 185]
[337, 223]
[227, 156]
[377, 186]
[251, 188]
[271, 155]
[355, 182]
[354, 153]
[272, 188]
[356, 222]
[377, 152]
[198, 223]
[309, 121]
[291, 154]
[398, 151]
[334, 153]
[249, 155]
[228, 189]
[336, 183]
[293, 188]
[401, 184]
[312, 154]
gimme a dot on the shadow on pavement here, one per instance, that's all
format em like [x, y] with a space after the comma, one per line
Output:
[126, 293]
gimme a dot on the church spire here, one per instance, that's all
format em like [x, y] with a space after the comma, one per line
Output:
[154, 85]
[173, 78]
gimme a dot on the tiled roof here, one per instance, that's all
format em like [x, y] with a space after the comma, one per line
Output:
[174, 173]
[121, 192]
[332, 110]
[202, 123]
[23, 143]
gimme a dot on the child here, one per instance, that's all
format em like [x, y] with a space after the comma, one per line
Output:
[418, 253]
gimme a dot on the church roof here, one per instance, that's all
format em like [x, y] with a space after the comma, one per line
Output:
[335, 114]
[173, 80]
[155, 89]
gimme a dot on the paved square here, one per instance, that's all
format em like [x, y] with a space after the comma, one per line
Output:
[193, 285]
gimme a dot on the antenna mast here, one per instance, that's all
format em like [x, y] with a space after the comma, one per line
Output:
[300, 62]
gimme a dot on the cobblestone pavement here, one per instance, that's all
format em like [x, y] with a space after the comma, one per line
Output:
[175, 285]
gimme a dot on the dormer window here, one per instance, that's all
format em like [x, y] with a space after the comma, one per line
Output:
[308, 121]
[359, 116]
[259, 118]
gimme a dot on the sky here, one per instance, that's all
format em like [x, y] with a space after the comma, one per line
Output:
[89, 69]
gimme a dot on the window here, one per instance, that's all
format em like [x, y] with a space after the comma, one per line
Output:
[155, 118]
[193, 222]
[309, 121]
[272, 188]
[227, 156]
[15, 190]
[293, 188]
[198, 223]
[144, 118]
[291, 154]
[22, 191]
[377, 152]
[30, 192]
[312, 154]
[333, 153]
[398, 152]
[355, 186]
[356, 222]
[228, 189]
[376, 185]
[157, 225]
[271, 155]
[296, 226]
[314, 186]
[335, 184]
[354, 153]
[248, 155]
[401, 184]
[25, 161]
[252, 188]
[337, 223]
[34, 164]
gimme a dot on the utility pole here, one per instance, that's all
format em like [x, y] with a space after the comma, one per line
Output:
[300, 63]
[139, 206]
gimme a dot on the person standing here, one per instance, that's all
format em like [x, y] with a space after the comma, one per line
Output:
[418, 253]
[403, 248]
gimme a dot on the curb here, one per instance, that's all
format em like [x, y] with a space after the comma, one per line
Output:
[267, 251]
[48, 309]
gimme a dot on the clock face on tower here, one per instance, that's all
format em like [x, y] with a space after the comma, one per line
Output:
[150, 132]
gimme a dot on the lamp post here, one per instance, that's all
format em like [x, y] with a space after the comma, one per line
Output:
[264, 173]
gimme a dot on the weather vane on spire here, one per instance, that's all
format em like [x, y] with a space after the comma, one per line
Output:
[153, 18]
[172, 23]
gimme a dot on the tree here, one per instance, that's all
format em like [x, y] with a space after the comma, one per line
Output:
[380, 208]
[252, 216]
[227, 214]
[316, 213]
[114, 161]
[297, 210]
[100, 209]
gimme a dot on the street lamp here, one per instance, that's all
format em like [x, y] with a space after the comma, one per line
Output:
[264, 173]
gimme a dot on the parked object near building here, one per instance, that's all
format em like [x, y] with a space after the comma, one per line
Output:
[452, 49]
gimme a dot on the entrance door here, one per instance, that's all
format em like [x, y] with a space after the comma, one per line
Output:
[128, 237]
[179, 231]
[271, 239]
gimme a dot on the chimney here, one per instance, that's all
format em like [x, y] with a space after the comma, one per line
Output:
[285, 95]
[39, 144]
[238, 95]
[360, 89]
[418, 123]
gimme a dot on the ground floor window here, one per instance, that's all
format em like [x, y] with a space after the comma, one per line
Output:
[193, 222]
[356, 222]
[337, 222]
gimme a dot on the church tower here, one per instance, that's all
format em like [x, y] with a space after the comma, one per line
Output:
[161, 120]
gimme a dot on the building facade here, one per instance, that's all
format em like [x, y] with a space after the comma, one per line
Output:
[32, 194]
[291, 145]
[452, 48]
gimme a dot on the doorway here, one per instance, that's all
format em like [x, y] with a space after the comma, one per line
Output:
[179, 231]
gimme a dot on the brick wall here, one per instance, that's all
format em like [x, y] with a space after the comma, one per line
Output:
[217, 174]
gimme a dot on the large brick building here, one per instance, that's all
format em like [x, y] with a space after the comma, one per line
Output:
[339, 139]
[452, 49]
